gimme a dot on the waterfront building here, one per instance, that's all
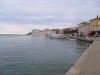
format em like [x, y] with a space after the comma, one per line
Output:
[41, 32]
[95, 24]
[60, 31]
[56, 31]
[84, 27]
[35, 32]
[74, 28]
[47, 31]
[68, 29]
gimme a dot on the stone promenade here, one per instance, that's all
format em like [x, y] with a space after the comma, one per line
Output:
[89, 62]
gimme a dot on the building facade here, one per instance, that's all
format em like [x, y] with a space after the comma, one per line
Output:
[47, 31]
[84, 27]
[95, 24]
[35, 32]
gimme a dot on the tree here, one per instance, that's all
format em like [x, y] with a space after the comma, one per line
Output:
[57, 31]
[65, 32]
[29, 33]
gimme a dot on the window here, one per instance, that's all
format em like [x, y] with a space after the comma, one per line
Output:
[95, 22]
[90, 24]
[98, 27]
[98, 22]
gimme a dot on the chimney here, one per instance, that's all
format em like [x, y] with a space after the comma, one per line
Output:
[97, 16]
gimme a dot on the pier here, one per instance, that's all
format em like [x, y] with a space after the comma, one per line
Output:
[89, 62]
[89, 39]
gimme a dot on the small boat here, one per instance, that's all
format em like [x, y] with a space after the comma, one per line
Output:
[64, 36]
[53, 36]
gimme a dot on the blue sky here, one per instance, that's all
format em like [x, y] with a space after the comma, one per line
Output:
[21, 16]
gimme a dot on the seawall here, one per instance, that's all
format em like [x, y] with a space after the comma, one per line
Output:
[89, 62]
[89, 39]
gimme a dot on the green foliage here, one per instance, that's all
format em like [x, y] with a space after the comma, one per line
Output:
[29, 33]
[57, 31]
[65, 32]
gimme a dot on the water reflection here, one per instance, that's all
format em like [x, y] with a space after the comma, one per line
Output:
[82, 45]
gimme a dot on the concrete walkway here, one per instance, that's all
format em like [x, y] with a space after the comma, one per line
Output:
[89, 62]
[89, 39]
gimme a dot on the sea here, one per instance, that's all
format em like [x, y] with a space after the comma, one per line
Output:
[38, 55]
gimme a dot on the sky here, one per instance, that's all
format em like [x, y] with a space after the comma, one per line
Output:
[21, 16]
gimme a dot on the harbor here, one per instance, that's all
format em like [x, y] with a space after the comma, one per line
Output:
[49, 37]
[89, 62]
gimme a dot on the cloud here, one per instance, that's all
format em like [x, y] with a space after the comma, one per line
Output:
[24, 14]
[22, 28]
[11, 28]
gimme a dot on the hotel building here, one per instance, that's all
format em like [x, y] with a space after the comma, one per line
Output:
[95, 24]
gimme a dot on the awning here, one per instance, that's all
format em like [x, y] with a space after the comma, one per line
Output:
[88, 32]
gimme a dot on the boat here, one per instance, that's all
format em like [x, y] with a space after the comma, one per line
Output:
[53, 36]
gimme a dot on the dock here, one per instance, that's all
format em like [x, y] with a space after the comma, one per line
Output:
[89, 62]
[89, 39]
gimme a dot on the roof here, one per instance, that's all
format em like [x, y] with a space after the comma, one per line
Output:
[68, 29]
[84, 24]
[95, 18]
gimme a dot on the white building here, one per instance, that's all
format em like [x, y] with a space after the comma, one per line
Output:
[35, 32]
[84, 27]
[47, 31]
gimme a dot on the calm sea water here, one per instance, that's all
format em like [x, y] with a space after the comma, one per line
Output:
[38, 55]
